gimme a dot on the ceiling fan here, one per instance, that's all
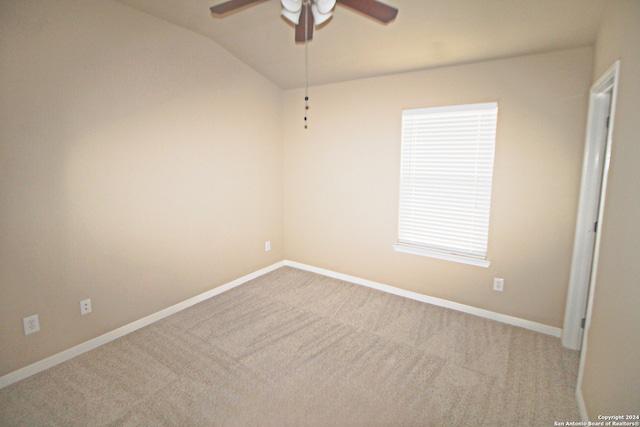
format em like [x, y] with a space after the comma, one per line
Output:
[304, 14]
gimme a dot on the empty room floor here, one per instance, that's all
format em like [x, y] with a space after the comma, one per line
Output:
[293, 348]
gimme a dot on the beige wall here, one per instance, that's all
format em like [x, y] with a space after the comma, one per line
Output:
[342, 179]
[611, 383]
[140, 165]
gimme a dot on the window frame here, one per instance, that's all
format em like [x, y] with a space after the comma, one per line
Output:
[412, 245]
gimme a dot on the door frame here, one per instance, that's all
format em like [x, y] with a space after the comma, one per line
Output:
[597, 154]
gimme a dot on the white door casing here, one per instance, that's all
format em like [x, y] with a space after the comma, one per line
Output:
[595, 168]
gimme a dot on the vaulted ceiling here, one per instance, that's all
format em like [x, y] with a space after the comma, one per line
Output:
[425, 34]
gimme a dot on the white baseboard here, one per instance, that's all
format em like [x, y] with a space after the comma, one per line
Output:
[86, 346]
[515, 321]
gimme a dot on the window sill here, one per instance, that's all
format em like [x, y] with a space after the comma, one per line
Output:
[447, 256]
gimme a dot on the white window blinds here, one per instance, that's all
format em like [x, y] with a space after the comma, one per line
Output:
[445, 184]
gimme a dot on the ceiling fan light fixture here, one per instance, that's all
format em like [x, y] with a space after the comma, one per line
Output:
[325, 6]
[292, 5]
[293, 17]
[318, 16]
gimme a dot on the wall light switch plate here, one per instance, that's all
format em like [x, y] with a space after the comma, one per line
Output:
[267, 246]
[31, 324]
[498, 284]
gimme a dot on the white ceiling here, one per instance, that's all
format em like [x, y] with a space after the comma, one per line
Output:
[426, 34]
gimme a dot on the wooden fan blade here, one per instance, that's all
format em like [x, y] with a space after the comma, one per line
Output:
[230, 6]
[306, 20]
[373, 8]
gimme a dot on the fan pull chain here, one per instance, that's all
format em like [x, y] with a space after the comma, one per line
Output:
[306, 63]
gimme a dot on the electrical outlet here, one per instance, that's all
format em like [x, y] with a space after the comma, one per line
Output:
[498, 284]
[85, 306]
[267, 246]
[31, 324]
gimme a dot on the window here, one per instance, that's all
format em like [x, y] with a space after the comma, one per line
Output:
[445, 182]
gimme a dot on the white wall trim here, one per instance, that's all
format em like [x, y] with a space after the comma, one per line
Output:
[608, 81]
[515, 321]
[86, 346]
[582, 407]
[432, 253]
[94, 343]
[593, 189]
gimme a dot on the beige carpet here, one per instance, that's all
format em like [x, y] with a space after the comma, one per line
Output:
[292, 348]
